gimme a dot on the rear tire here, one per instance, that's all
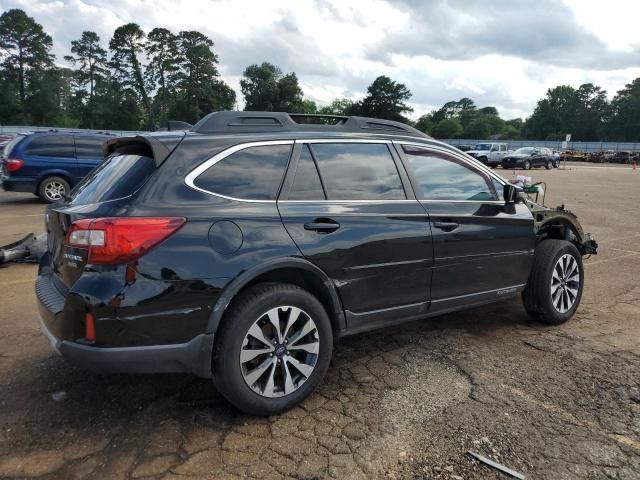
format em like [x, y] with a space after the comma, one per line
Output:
[291, 330]
[53, 189]
[527, 165]
[555, 283]
[549, 165]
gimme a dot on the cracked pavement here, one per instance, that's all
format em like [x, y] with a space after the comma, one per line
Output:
[402, 402]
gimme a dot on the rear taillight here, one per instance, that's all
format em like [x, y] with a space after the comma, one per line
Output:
[89, 328]
[13, 164]
[116, 240]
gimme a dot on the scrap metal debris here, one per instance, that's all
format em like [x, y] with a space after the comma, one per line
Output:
[495, 465]
[28, 249]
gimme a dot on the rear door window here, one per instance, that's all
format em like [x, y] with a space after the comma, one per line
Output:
[51, 146]
[254, 173]
[358, 171]
[88, 146]
[117, 177]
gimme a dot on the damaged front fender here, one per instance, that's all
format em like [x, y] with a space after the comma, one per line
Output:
[560, 223]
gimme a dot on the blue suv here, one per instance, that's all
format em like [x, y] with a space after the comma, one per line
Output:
[49, 164]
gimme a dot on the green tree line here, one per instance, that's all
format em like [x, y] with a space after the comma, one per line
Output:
[139, 80]
[585, 112]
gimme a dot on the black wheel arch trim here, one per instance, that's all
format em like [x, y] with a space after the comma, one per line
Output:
[239, 282]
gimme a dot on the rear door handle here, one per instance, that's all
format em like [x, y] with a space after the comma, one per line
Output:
[446, 226]
[323, 225]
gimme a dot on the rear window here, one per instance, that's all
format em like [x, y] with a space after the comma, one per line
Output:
[51, 146]
[254, 173]
[117, 177]
[11, 145]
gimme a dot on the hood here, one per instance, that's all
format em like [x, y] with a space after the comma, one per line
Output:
[517, 156]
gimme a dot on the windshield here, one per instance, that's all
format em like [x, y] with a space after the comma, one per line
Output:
[117, 177]
[525, 150]
[482, 146]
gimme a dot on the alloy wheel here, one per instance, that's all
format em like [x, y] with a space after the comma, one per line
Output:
[279, 352]
[54, 190]
[565, 283]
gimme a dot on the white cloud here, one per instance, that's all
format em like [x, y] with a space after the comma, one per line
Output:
[504, 53]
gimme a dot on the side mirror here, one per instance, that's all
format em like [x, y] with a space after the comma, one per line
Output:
[512, 193]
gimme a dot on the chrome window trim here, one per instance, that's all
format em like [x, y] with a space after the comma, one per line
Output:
[342, 140]
[405, 200]
[191, 176]
[196, 172]
[496, 202]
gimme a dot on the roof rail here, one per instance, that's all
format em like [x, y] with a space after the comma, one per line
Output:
[261, 122]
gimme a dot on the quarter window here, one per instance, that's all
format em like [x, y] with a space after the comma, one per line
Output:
[443, 177]
[358, 171]
[306, 182]
[254, 173]
[51, 146]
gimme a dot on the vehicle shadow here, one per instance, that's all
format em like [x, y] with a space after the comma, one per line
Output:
[118, 401]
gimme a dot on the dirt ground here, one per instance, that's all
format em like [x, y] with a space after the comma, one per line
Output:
[404, 402]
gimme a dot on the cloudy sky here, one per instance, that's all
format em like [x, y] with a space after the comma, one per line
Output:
[504, 53]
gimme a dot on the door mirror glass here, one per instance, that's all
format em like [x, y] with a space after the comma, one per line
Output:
[511, 193]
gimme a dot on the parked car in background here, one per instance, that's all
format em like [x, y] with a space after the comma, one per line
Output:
[624, 157]
[490, 154]
[574, 155]
[239, 250]
[50, 164]
[529, 157]
[464, 148]
[608, 155]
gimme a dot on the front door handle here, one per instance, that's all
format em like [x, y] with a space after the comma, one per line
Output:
[446, 226]
[322, 225]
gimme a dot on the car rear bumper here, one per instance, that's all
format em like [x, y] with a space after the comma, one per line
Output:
[193, 356]
[512, 165]
[16, 184]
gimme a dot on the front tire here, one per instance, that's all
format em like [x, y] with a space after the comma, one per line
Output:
[527, 165]
[53, 189]
[273, 348]
[555, 283]
[549, 165]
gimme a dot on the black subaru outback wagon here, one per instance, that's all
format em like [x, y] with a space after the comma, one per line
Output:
[240, 249]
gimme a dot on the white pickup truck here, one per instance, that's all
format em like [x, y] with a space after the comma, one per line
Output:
[490, 154]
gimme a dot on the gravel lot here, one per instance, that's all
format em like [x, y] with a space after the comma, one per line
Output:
[404, 402]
